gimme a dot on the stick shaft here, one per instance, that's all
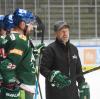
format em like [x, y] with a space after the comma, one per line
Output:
[88, 71]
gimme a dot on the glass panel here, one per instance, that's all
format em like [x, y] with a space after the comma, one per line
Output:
[87, 16]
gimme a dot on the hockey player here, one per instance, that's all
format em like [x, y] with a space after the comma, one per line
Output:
[5, 26]
[2, 32]
[19, 65]
[2, 35]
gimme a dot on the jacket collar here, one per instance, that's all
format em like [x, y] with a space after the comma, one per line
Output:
[61, 43]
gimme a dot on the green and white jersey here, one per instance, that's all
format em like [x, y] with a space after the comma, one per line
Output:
[3, 41]
[19, 53]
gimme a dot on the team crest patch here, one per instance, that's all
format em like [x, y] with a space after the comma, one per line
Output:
[16, 51]
[22, 37]
[74, 56]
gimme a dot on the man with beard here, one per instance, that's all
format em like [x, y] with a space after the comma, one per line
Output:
[60, 64]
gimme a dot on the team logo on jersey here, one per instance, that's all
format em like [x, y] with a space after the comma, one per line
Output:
[16, 51]
[74, 56]
[11, 66]
[23, 37]
[14, 95]
[12, 36]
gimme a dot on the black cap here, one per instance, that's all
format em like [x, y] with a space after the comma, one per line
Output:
[60, 24]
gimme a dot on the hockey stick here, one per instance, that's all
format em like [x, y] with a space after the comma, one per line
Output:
[37, 78]
[41, 28]
[88, 71]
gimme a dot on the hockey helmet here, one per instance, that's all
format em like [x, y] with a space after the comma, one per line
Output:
[2, 17]
[8, 22]
[22, 15]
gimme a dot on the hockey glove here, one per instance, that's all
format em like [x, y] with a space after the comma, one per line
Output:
[38, 49]
[84, 91]
[58, 80]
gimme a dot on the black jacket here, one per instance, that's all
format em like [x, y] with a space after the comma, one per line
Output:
[57, 56]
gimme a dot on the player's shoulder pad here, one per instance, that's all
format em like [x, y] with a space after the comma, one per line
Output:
[15, 36]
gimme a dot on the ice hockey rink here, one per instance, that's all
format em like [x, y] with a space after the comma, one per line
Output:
[93, 79]
[83, 16]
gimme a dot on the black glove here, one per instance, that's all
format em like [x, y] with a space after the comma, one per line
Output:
[58, 80]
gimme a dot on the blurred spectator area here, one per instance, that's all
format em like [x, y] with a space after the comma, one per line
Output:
[83, 16]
